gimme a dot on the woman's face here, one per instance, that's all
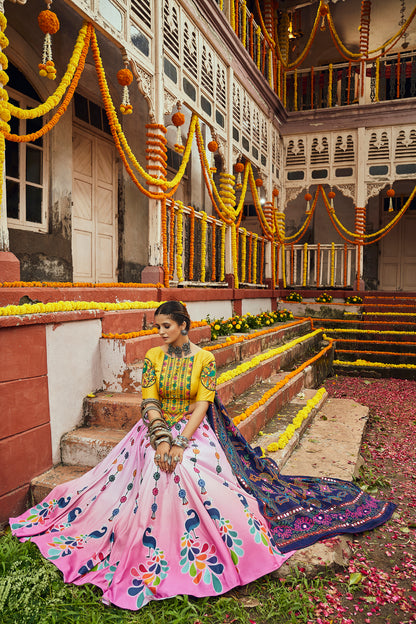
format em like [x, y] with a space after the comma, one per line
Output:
[169, 330]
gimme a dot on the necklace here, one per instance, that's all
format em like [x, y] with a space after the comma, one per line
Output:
[179, 352]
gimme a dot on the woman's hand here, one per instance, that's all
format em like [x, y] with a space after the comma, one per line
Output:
[162, 456]
[176, 454]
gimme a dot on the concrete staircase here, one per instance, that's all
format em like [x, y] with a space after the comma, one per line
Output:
[383, 336]
[113, 411]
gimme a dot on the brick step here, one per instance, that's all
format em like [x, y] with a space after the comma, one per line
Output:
[120, 410]
[395, 317]
[368, 325]
[86, 446]
[122, 360]
[126, 321]
[384, 370]
[375, 356]
[398, 308]
[358, 336]
[393, 300]
[382, 344]
[11, 296]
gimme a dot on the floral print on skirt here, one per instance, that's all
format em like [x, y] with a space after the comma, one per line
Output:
[141, 534]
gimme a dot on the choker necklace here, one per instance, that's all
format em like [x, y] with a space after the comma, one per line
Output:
[182, 351]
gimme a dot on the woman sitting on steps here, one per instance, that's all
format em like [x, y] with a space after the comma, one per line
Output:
[183, 504]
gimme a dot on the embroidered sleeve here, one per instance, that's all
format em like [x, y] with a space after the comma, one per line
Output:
[206, 391]
[149, 374]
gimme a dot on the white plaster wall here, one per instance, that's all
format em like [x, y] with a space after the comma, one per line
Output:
[255, 306]
[198, 310]
[74, 370]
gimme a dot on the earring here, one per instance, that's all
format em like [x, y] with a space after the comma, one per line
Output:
[184, 332]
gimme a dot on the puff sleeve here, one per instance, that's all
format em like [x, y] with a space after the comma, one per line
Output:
[207, 379]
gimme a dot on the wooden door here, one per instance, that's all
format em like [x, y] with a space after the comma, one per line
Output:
[398, 255]
[94, 223]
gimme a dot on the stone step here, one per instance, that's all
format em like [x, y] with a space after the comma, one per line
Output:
[112, 410]
[122, 360]
[87, 446]
[391, 356]
[373, 369]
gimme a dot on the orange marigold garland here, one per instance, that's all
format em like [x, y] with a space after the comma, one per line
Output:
[125, 78]
[171, 238]
[49, 24]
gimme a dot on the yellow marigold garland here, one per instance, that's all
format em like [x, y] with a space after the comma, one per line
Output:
[222, 263]
[257, 359]
[203, 244]
[332, 264]
[70, 306]
[179, 241]
[372, 364]
[234, 253]
[19, 284]
[53, 100]
[296, 422]
[305, 263]
[267, 395]
[243, 254]
[255, 238]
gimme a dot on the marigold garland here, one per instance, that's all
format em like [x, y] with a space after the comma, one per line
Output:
[372, 364]
[296, 422]
[147, 332]
[192, 244]
[164, 228]
[70, 306]
[20, 284]
[267, 395]
[222, 261]
[213, 253]
[171, 237]
[332, 264]
[203, 245]
[179, 241]
[230, 340]
[257, 359]
[255, 238]
[243, 247]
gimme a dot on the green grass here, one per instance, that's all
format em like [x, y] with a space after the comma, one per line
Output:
[32, 592]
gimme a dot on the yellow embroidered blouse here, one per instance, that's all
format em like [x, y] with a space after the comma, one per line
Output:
[178, 382]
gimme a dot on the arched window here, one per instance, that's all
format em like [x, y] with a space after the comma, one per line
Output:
[25, 162]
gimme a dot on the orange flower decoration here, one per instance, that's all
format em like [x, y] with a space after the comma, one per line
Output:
[48, 22]
[390, 192]
[308, 196]
[239, 167]
[259, 182]
[212, 146]
[124, 77]
[178, 119]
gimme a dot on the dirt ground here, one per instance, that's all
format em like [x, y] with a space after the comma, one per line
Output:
[381, 577]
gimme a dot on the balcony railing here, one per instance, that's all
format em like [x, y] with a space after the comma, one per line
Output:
[326, 266]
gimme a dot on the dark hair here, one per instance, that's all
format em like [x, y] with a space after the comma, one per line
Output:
[176, 311]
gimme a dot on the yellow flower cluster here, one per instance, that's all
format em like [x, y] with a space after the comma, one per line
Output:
[297, 421]
[243, 254]
[70, 306]
[389, 313]
[305, 263]
[372, 364]
[222, 273]
[367, 331]
[257, 359]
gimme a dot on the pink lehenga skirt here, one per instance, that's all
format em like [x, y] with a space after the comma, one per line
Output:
[140, 534]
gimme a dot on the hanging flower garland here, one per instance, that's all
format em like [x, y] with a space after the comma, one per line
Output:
[255, 239]
[54, 99]
[179, 241]
[222, 261]
[332, 280]
[203, 245]
[49, 24]
[250, 257]
[164, 227]
[243, 248]
[262, 260]
[234, 253]
[125, 78]
[283, 266]
[191, 244]
[171, 238]
[305, 264]
[213, 252]
[65, 103]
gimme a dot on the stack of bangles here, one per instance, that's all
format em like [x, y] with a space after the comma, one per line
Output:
[158, 429]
